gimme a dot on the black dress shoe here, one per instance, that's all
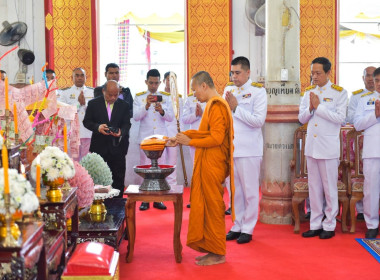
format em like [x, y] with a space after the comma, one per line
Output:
[312, 233]
[228, 211]
[188, 205]
[244, 238]
[232, 235]
[159, 205]
[372, 233]
[144, 206]
[325, 234]
[307, 216]
[360, 216]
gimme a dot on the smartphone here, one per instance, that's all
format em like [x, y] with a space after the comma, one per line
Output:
[157, 98]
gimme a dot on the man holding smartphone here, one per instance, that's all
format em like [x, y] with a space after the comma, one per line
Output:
[152, 108]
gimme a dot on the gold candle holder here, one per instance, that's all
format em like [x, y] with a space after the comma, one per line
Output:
[9, 240]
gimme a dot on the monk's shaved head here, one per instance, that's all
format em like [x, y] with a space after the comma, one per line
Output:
[203, 77]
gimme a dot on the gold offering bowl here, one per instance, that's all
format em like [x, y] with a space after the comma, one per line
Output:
[54, 193]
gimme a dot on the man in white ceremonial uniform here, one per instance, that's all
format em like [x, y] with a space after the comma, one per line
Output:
[248, 103]
[152, 115]
[369, 86]
[172, 152]
[323, 107]
[355, 97]
[367, 118]
[79, 95]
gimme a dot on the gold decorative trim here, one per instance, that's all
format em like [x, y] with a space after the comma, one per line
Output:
[49, 21]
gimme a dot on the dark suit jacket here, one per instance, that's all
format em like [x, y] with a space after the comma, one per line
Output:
[96, 114]
[127, 97]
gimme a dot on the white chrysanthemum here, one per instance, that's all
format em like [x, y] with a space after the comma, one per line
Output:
[1, 141]
[22, 196]
[54, 164]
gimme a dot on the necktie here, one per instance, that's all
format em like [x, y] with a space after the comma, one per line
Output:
[109, 111]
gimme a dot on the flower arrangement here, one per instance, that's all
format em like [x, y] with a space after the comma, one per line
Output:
[97, 168]
[1, 140]
[54, 164]
[22, 196]
[83, 181]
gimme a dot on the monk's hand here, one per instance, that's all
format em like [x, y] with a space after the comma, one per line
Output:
[149, 100]
[231, 100]
[377, 108]
[314, 100]
[103, 129]
[81, 99]
[182, 139]
[198, 110]
[158, 108]
[171, 142]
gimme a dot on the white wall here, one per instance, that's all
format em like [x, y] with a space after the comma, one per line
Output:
[32, 13]
[244, 41]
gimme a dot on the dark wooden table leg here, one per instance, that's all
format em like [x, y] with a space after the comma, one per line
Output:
[130, 213]
[178, 205]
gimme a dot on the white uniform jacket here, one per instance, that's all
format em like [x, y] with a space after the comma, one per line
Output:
[172, 126]
[353, 104]
[249, 117]
[151, 121]
[322, 140]
[365, 119]
[70, 96]
[189, 110]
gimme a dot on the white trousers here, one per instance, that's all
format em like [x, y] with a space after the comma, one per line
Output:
[323, 180]
[246, 176]
[171, 159]
[371, 191]
[84, 147]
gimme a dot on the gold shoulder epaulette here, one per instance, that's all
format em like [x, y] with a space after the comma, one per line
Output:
[302, 93]
[357, 91]
[367, 93]
[336, 87]
[310, 87]
[140, 93]
[256, 85]
[190, 94]
[180, 96]
[65, 88]
[230, 84]
[165, 93]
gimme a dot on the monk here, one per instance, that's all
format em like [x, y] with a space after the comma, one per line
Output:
[212, 164]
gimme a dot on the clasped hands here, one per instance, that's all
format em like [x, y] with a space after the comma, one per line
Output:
[314, 101]
[231, 100]
[180, 138]
[377, 108]
[157, 105]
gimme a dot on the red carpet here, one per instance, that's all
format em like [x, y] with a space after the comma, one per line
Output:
[274, 253]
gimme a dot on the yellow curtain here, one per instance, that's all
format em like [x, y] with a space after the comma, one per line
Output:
[171, 37]
[166, 29]
[361, 35]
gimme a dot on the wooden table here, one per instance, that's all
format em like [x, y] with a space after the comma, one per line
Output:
[25, 259]
[111, 231]
[134, 194]
[56, 214]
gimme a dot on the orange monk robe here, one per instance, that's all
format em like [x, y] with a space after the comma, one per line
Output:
[213, 162]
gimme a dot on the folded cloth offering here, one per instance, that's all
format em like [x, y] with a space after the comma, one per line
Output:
[154, 143]
[102, 189]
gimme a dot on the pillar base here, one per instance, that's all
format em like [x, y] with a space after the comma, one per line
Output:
[276, 203]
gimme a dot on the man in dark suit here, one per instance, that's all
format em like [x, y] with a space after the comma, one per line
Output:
[104, 114]
[112, 73]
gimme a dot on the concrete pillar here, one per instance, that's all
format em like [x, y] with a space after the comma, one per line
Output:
[282, 52]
